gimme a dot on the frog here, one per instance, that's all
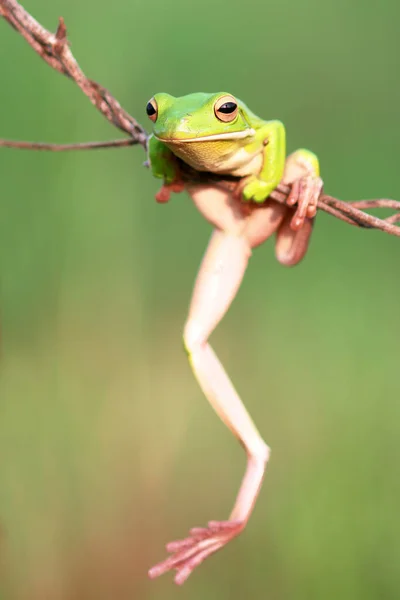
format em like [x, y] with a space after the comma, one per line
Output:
[219, 134]
[216, 133]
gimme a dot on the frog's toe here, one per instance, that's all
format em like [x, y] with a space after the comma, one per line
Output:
[256, 191]
[249, 191]
[261, 194]
[305, 193]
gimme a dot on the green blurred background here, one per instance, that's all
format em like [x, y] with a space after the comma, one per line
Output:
[107, 447]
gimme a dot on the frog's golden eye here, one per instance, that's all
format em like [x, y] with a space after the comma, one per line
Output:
[226, 108]
[152, 109]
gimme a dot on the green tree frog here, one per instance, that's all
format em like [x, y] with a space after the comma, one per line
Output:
[217, 133]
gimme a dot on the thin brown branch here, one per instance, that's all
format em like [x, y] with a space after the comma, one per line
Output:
[66, 147]
[54, 49]
[345, 211]
[361, 218]
[381, 203]
[393, 219]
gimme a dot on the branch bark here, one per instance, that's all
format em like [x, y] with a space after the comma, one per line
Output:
[54, 49]
[66, 147]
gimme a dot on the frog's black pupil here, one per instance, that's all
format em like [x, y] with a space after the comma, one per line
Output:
[150, 109]
[227, 108]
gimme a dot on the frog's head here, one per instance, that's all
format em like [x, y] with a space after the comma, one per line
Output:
[198, 117]
[205, 130]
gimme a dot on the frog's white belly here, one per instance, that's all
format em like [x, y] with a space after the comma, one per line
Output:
[241, 164]
[218, 157]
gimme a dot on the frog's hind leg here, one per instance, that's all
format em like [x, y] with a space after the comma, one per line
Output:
[293, 235]
[220, 276]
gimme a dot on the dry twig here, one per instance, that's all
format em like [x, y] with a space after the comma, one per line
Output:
[54, 49]
[66, 147]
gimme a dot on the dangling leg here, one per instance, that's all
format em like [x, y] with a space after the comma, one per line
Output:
[220, 276]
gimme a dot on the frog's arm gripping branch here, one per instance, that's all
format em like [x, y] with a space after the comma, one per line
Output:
[54, 49]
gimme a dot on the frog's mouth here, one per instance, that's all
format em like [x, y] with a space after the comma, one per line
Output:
[230, 135]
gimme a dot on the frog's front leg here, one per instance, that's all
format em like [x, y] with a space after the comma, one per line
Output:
[302, 171]
[164, 165]
[258, 187]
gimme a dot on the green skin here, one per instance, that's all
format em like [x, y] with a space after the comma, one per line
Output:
[247, 146]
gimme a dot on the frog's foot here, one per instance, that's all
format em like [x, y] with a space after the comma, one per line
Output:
[190, 552]
[164, 192]
[252, 189]
[304, 193]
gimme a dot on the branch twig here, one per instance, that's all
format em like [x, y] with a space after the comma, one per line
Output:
[66, 147]
[54, 49]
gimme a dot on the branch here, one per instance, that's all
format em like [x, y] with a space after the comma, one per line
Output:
[54, 49]
[349, 213]
[66, 147]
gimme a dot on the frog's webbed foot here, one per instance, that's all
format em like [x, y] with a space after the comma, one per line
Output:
[304, 195]
[165, 190]
[189, 553]
[253, 189]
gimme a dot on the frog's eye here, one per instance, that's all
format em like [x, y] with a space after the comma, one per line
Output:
[152, 109]
[226, 108]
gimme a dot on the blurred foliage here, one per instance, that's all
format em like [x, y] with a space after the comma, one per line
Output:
[107, 447]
